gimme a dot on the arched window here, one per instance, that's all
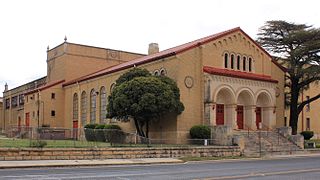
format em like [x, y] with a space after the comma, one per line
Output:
[75, 104]
[112, 86]
[226, 60]
[83, 108]
[93, 104]
[244, 63]
[250, 64]
[103, 105]
[163, 72]
[232, 61]
[156, 73]
[238, 62]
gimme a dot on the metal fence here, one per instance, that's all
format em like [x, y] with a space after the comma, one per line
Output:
[82, 137]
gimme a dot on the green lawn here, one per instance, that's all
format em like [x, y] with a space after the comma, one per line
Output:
[22, 143]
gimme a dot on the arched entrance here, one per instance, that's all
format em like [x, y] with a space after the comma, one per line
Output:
[245, 109]
[225, 99]
[264, 110]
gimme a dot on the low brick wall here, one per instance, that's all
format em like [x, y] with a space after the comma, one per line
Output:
[115, 153]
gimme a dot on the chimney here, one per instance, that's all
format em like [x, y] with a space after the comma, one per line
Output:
[153, 48]
[5, 87]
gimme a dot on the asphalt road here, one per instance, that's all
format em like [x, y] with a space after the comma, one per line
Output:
[292, 168]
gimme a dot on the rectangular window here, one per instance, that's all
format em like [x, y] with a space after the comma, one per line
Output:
[14, 101]
[21, 99]
[285, 121]
[53, 96]
[53, 113]
[308, 124]
[308, 105]
[8, 103]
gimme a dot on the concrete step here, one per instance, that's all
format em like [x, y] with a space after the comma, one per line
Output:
[270, 142]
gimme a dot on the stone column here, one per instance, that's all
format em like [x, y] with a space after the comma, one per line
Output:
[250, 118]
[210, 114]
[231, 115]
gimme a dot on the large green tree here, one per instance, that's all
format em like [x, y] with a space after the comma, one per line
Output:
[296, 47]
[140, 96]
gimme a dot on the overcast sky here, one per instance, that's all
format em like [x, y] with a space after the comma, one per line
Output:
[28, 27]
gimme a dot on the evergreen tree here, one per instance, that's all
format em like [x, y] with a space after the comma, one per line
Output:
[296, 47]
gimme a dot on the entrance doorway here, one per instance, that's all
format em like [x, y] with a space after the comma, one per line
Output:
[258, 116]
[27, 119]
[240, 117]
[19, 123]
[220, 114]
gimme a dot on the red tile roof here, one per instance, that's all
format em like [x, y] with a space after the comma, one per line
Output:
[163, 54]
[45, 87]
[238, 74]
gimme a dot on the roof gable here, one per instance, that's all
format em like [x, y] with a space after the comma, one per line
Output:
[162, 54]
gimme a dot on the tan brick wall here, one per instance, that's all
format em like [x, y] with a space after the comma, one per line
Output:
[312, 114]
[278, 75]
[1, 114]
[237, 44]
[43, 102]
[65, 60]
[9, 154]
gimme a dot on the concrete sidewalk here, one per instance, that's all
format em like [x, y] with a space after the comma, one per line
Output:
[61, 163]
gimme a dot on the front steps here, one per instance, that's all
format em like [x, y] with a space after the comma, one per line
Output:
[266, 143]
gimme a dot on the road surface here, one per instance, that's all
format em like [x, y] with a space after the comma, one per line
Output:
[283, 168]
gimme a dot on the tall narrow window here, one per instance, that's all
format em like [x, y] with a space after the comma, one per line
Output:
[308, 124]
[93, 100]
[232, 61]
[285, 121]
[238, 62]
[75, 105]
[103, 105]
[250, 64]
[226, 60]
[84, 108]
[244, 63]
[308, 105]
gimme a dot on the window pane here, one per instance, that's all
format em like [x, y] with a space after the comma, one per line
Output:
[93, 101]
[232, 61]
[250, 64]
[75, 106]
[103, 105]
[238, 62]
[244, 63]
[83, 108]
[226, 60]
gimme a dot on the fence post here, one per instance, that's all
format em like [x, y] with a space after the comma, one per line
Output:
[260, 142]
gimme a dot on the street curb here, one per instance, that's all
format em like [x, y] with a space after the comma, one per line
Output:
[33, 164]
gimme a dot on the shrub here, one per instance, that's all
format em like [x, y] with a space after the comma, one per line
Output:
[112, 126]
[39, 144]
[100, 133]
[200, 132]
[90, 126]
[89, 132]
[307, 134]
[114, 134]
